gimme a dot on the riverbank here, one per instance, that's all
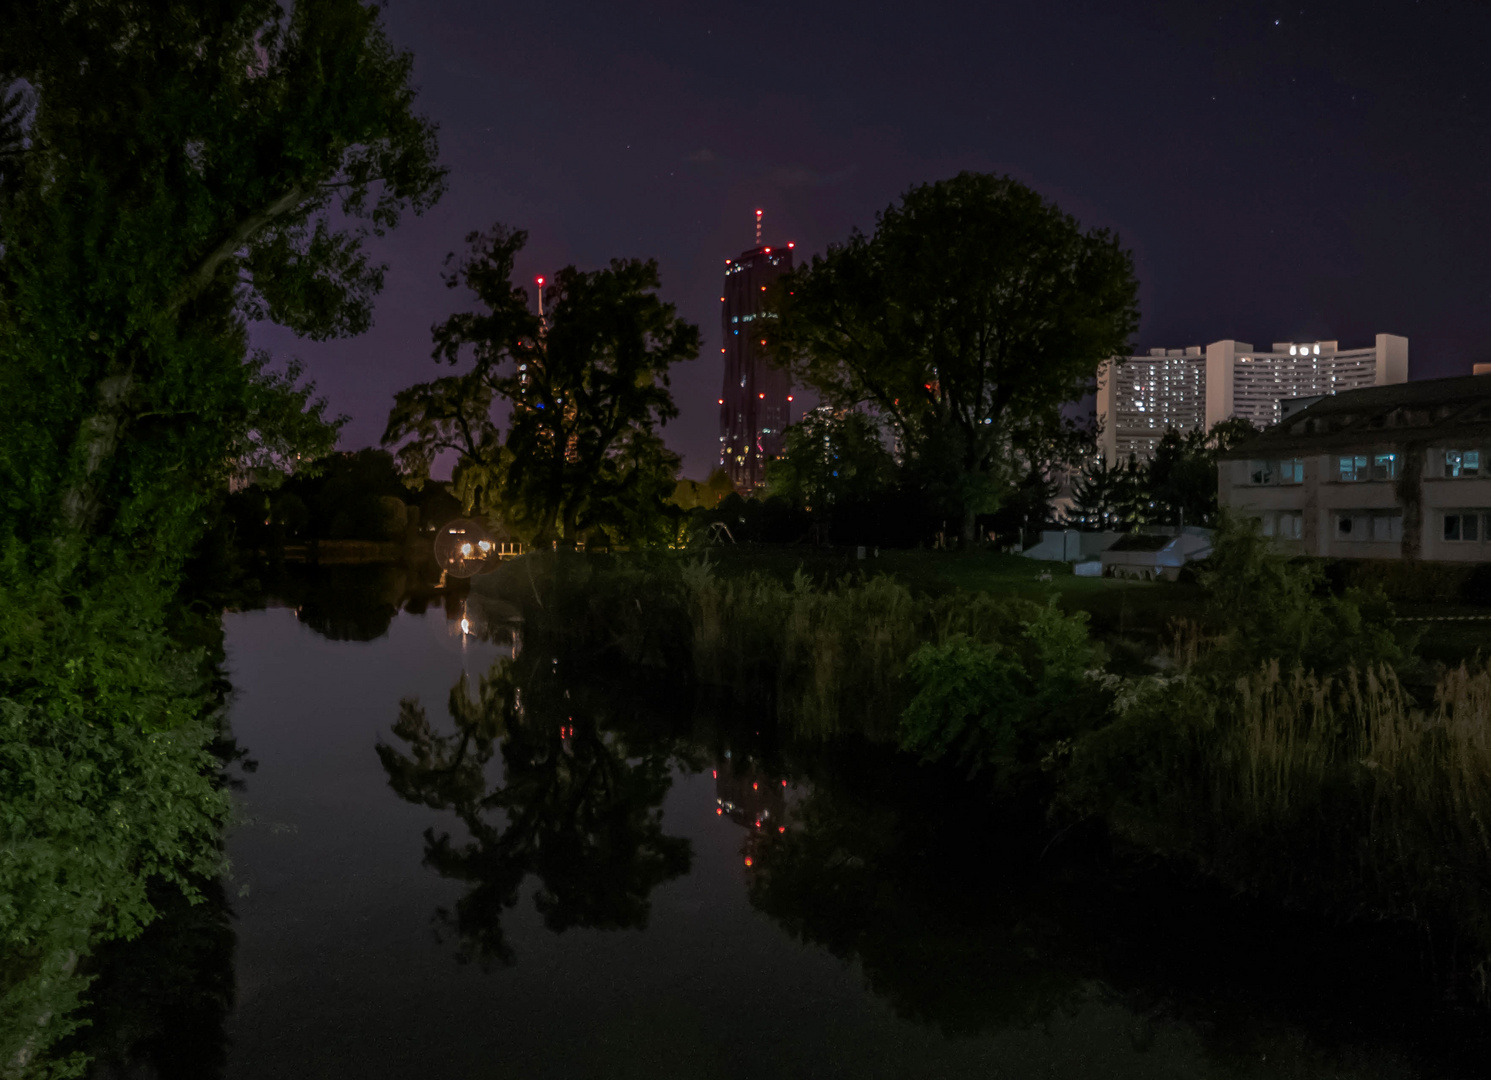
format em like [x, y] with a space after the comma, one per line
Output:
[1286, 741]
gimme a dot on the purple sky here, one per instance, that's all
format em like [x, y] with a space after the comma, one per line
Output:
[1279, 171]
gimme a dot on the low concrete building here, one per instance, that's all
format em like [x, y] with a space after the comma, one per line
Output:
[1153, 556]
[1070, 545]
[1383, 472]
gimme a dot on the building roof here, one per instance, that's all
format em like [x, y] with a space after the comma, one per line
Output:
[1426, 411]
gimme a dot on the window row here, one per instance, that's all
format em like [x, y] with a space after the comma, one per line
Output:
[1284, 524]
[1467, 525]
[1369, 525]
[1357, 467]
[1287, 471]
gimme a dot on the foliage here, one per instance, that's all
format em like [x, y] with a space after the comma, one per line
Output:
[1000, 705]
[1176, 486]
[169, 171]
[1339, 791]
[184, 170]
[974, 311]
[836, 658]
[831, 458]
[96, 803]
[587, 389]
[693, 494]
[1278, 609]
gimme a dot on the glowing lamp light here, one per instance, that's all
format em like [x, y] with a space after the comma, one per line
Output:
[768, 251]
[789, 398]
[715, 773]
[719, 809]
[465, 626]
[784, 783]
[761, 396]
[790, 244]
[748, 861]
[755, 787]
[722, 401]
[464, 548]
[781, 828]
[540, 282]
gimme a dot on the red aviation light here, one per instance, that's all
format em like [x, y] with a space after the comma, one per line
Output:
[748, 861]
[789, 398]
[719, 809]
[715, 773]
[755, 787]
[790, 244]
[762, 396]
[722, 401]
[781, 828]
[540, 282]
[768, 251]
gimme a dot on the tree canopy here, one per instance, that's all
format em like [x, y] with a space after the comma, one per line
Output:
[170, 171]
[585, 389]
[974, 311]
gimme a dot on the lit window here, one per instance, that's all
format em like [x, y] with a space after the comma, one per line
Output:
[1462, 463]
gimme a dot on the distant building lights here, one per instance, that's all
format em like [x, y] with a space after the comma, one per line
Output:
[1317, 350]
[1291, 350]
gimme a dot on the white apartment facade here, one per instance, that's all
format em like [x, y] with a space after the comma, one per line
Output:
[1140, 396]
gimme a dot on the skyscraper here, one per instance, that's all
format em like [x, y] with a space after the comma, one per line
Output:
[756, 398]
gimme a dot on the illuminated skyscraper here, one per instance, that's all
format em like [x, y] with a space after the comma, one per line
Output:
[756, 398]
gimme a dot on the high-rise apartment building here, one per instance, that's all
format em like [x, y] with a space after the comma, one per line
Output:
[1141, 396]
[756, 398]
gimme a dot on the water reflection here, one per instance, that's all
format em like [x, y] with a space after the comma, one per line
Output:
[551, 774]
[578, 803]
[160, 1003]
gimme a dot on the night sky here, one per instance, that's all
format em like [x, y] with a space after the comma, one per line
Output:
[1279, 172]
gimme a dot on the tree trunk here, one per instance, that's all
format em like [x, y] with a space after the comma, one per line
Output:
[98, 438]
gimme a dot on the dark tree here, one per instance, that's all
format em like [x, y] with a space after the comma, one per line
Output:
[183, 168]
[586, 392]
[578, 806]
[970, 315]
[831, 457]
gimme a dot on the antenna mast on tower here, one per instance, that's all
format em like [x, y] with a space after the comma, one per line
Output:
[758, 227]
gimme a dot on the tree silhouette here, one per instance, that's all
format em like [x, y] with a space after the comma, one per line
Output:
[587, 389]
[577, 805]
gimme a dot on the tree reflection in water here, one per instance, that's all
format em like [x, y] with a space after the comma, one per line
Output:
[579, 802]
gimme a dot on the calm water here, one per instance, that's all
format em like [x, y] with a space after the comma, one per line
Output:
[593, 914]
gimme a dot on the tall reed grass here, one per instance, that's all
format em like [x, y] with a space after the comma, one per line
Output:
[831, 659]
[1337, 792]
